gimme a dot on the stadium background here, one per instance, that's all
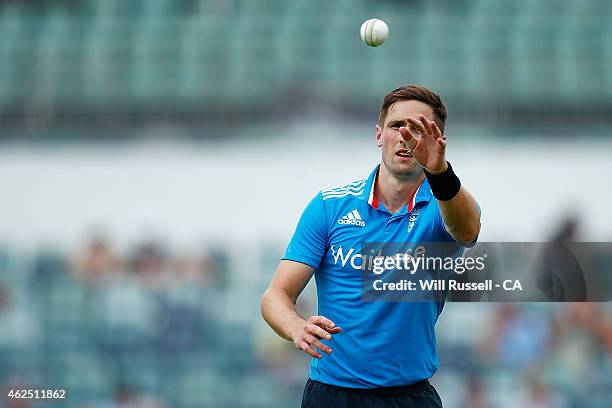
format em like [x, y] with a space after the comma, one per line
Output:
[155, 156]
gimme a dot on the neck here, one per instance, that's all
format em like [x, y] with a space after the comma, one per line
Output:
[395, 192]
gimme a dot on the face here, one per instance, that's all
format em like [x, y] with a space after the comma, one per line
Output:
[395, 156]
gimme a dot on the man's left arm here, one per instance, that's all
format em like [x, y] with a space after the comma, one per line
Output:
[459, 210]
[461, 216]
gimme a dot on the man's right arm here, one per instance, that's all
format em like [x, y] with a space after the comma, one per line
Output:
[278, 310]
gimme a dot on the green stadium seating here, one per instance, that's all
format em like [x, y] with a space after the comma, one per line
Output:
[193, 55]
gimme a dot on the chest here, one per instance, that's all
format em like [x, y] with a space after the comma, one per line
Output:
[353, 226]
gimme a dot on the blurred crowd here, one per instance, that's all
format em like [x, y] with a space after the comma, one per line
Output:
[152, 329]
[87, 321]
[149, 262]
[559, 356]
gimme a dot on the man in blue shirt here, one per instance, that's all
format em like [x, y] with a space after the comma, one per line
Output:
[374, 353]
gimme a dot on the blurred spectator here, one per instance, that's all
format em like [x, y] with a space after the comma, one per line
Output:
[18, 403]
[215, 268]
[49, 265]
[208, 269]
[519, 338]
[125, 397]
[539, 395]
[18, 327]
[16, 384]
[567, 230]
[188, 268]
[560, 277]
[590, 318]
[583, 340]
[180, 327]
[96, 262]
[151, 264]
[475, 394]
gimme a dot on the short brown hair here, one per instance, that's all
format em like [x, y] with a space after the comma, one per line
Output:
[415, 93]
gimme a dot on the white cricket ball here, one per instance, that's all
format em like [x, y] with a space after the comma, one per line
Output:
[374, 32]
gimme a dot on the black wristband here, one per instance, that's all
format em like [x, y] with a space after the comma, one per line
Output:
[444, 186]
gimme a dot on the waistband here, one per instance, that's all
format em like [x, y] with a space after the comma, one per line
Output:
[401, 389]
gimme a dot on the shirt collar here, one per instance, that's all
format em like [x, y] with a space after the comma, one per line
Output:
[423, 193]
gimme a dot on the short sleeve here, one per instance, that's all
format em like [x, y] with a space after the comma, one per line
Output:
[309, 240]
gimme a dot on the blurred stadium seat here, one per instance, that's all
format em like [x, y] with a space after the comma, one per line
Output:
[110, 57]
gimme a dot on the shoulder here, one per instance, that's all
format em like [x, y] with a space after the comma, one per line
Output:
[352, 189]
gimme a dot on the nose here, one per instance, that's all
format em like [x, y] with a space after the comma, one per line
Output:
[402, 140]
[414, 132]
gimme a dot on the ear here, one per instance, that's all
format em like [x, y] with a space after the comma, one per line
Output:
[378, 136]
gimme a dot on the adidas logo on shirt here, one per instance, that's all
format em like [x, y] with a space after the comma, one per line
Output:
[352, 218]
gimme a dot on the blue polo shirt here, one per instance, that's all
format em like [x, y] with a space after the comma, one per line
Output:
[382, 344]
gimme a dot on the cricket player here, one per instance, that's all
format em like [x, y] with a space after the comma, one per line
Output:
[374, 354]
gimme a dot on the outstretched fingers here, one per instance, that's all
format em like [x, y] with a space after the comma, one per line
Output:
[408, 137]
[426, 124]
[417, 124]
[436, 130]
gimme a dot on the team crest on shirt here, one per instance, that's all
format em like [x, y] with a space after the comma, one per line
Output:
[412, 219]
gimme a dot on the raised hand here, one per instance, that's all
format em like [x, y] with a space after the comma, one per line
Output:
[427, 143]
